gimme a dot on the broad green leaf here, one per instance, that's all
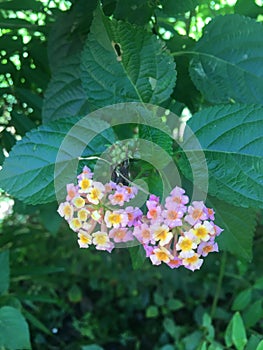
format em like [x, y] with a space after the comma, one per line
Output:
[4, 272]
[28, 172]
[14, 332]
[228, 60]
[238, 332]
[242, 300]
[65, 96]
[231, 138]
[123, 63]
[21, 123]
[238, 224]
[68, 33]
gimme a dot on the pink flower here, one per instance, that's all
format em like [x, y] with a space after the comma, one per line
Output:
[131, 192]
[154, 212]
[154, 198]
[210, 214]
[205, 248]
[178, 198]
[134, 216]
[86, 173]
[148, 250]
[143, 234]
[196, 212]
[175, 262]
[72, 191]
[217, 229]
[121, 235]
[172, 217]
[119, 197]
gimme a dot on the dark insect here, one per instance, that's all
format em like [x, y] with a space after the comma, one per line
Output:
[121, 172]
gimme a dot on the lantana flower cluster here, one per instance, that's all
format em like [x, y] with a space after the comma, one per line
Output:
[176, 233]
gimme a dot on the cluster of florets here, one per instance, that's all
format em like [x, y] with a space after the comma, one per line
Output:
[176, 234]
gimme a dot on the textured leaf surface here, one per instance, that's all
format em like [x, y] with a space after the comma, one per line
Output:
[137, 69]
[65, 96]
[229, 63]
[14, 332]
[28, 172]
[231, 138]
[239, 226]
[68, 33]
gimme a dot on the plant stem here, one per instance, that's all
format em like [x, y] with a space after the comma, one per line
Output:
[219, 284]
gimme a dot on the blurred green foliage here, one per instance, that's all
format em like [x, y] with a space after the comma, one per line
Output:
[74, 299]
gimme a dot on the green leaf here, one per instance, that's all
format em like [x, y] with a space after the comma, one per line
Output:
[50, 218]
[231, 138]
[69, 32]
[170, 327]
[238, 332]
[260, 346]
[91, 347]
[228, 334]
[65, 96]
[138, 257]
[14, 332]
[152, 311]
[242, 300]
[174, 304]
[238, 224]
[33, 180]
[123, 63]
[253, 313]
[258, 283]
[5, 272]
[31, 98]
[228, 60]
[21, 123]
[253, 342]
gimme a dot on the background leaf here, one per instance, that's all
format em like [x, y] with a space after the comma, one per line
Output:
[13, 323]
[239, 226]
[128, 72]
[4, 274]
[228, 64]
